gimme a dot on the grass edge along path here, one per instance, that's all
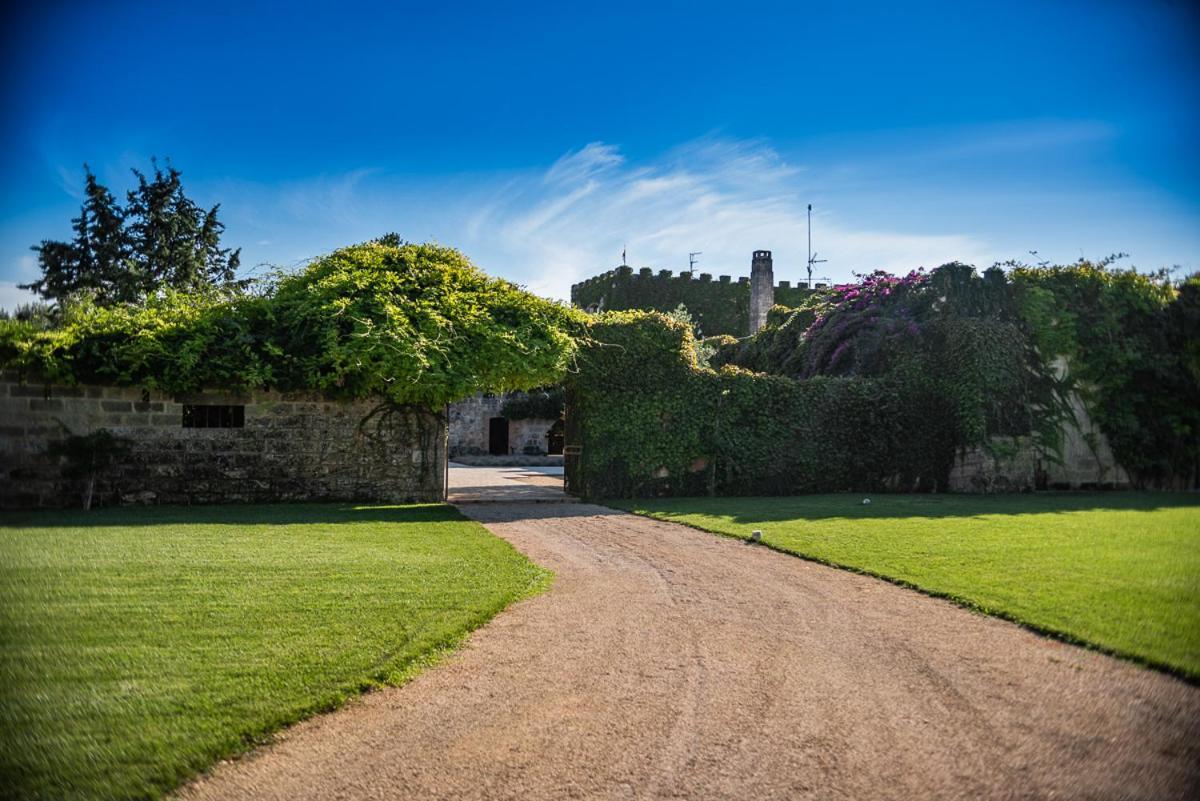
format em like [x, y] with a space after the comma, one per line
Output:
[115, 625]
[738, 519]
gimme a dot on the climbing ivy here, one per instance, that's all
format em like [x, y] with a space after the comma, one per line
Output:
[1130, 343]
[879, 384]
[655, 422]
[410, 324]
[538, 404]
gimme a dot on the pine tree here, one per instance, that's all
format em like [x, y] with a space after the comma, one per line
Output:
[175, 243]
[161, 238]
[95, 260]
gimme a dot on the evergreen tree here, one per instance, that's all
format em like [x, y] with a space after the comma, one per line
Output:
[160, 239]
[175, 242]
[96, 259]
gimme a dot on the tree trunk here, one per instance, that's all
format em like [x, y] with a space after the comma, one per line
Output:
[88, 488]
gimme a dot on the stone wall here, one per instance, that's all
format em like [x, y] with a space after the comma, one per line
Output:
[469, 421]
[528, 434]
[295, 447]
[1087, 462]
[1011, 466]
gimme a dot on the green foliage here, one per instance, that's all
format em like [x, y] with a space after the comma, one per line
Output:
[1131, 343]
[1017, 556]
[417, 324]
[716, 307]
[38, 314]
[538, 404]
[881, 383]
[656, 422]
[704, 347]
[161, 238]
[410, 324]
[141, 646]
[876, 385]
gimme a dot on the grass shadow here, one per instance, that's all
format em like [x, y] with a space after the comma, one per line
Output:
[767, 509]
[231, 514]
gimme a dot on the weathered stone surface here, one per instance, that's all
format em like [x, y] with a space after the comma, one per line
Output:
[469, 428]
[1011, 467]
[300, 447]
[762, 289]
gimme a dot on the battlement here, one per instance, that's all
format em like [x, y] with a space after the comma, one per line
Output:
[720, 304]
[643, 273]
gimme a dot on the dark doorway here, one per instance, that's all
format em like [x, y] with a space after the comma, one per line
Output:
[498, 436]
[554, 437]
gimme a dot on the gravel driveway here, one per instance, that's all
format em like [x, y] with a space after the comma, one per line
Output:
[668, 663]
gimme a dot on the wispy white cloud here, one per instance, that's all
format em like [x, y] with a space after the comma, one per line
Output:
[724, 198]
[550, 227]
[11, 296]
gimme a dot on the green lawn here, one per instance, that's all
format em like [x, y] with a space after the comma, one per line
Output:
[139, 646]
[1120, 571]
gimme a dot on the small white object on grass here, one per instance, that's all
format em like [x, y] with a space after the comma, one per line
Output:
[866, 501]
[756, 536]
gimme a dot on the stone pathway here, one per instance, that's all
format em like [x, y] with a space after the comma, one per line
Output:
[667, 663]
[506, 485]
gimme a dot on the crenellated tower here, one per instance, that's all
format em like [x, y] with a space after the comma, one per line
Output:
[762, 289]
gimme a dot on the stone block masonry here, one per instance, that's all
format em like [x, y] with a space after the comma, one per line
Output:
[762, 290]
[470, 430]
[288, 447]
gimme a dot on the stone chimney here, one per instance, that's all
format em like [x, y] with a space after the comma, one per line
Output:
[762, 289]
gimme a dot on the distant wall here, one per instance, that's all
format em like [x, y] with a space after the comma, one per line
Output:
[643, 421]
[718, 307]
[468, 424]
[529, 434]
[294, 447]
[469, 431]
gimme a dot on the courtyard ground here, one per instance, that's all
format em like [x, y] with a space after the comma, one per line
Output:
[668, 663]
[138, 646]
[1120, 571]
[503, 484]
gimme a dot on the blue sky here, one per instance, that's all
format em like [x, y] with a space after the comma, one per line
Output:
[543, 138]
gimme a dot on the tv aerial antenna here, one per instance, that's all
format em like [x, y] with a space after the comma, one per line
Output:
[812, 257]
[692, 260]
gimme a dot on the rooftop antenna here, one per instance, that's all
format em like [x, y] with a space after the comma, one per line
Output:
[812, 257]
[692, 260]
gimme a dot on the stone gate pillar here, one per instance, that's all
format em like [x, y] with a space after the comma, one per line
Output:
[762, 289]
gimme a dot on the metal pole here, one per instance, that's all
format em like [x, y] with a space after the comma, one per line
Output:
[810, 246]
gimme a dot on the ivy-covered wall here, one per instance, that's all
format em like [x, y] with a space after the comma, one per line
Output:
[720, 306]
[654, 422]
[1066, 377]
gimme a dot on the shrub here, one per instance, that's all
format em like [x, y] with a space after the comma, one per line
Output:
[540, 404]
[409, 324]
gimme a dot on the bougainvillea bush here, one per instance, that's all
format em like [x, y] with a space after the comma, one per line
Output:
[410, 324]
